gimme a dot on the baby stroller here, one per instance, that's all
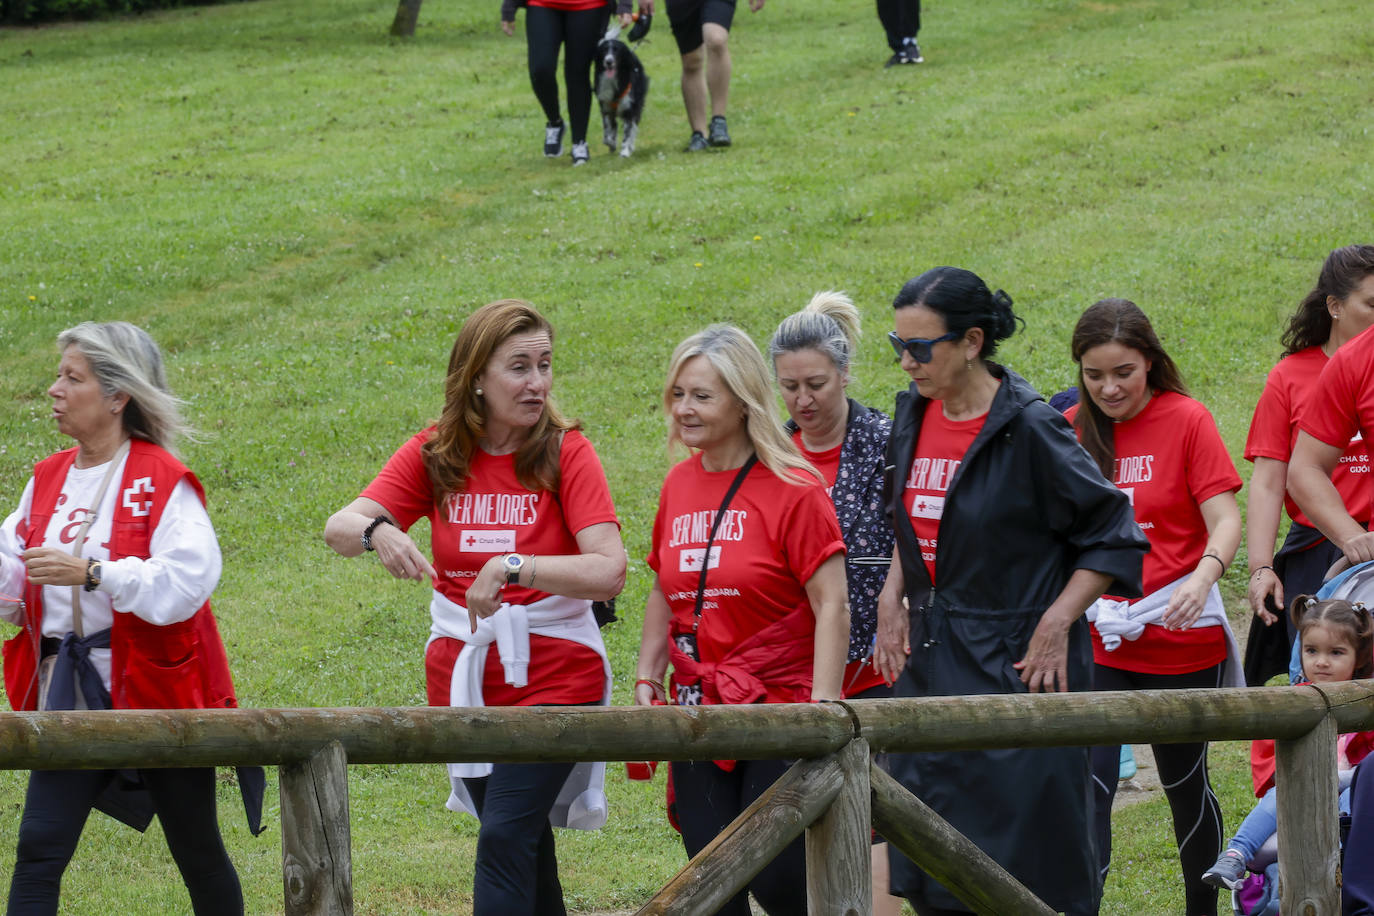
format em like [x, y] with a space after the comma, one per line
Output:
[1259, 894]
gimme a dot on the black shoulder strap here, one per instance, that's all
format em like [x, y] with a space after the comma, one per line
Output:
[715, 526]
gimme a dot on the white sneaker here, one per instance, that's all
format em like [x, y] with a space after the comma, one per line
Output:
[553, 140]
[580, 154]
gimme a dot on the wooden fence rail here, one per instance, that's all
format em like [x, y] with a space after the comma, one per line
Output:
[831, 794]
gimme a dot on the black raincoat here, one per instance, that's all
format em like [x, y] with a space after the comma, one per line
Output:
[1026, 507]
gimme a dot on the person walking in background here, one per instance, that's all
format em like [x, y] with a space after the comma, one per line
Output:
[115, 557]
[901, 21]
[1163, 448]
[701, 29]
[1006, 532]
[748, 601]
[524, 538]
[1338, 308]
[846, 441]
[576, 26]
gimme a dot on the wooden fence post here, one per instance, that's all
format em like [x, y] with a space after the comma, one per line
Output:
[317, 863]
[838, 843]
[1309, 836]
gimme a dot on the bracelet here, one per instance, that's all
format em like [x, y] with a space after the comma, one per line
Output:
[657, 685]
[532, 559]
[372, 526]
[1218, 559]
[1262, 569]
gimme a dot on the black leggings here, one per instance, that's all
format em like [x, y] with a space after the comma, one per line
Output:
[578, 31]
[1182, 772]
[55, 811]
[708, 799]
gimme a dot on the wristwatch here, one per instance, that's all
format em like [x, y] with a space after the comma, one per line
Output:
[92, 575]
[513, 563]
[372, 526]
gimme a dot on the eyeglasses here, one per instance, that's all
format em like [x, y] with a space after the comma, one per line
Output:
[918, 347]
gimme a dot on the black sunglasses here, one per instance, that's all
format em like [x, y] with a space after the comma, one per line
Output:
[918, 347]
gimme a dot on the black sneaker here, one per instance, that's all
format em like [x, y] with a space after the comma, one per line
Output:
[1227, 872]
[896, 60]
[912, 51]
[720, 135]
[697, 143]
[580, 155]
[553, 140]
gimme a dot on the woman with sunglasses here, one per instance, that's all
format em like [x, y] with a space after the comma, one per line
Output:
[1153, 441]
[1006, 532]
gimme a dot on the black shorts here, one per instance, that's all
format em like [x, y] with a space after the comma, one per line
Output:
[688, 16]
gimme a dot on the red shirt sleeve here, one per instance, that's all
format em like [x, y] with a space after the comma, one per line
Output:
[1331, 413]
[812, 534]
[582, 487]
[1270, 431]
[1210, 469]
[403, 487]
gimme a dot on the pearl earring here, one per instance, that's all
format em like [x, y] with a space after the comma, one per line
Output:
[478, 392]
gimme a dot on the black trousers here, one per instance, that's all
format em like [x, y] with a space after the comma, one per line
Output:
[1183, 774]
[577, 32]
[901, 19]
[709, 798]
[56, 807]
[517, 867]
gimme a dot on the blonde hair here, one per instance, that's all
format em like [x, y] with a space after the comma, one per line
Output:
[448, 453]
[828, 324]
[745, 375]
[125, 360]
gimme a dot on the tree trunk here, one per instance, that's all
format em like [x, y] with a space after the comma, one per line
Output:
[407, 13]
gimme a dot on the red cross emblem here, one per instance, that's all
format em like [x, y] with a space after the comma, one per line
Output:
[132, 502]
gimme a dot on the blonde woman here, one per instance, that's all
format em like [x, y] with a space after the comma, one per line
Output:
[749, 566]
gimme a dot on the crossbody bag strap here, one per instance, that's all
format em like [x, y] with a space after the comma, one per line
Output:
[715, 526]
[81, 532]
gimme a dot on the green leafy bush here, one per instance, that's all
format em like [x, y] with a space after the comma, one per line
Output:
[20, 12]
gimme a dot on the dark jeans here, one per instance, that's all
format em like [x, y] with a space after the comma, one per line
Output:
[55, 811]
[901, 19]
[578, 32]
[517, 868]
[709, 798]
[1357, 888]
[1183, 774]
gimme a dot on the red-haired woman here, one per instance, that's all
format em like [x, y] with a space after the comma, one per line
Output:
[524, 538]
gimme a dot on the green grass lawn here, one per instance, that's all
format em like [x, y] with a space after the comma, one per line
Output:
[302, 210]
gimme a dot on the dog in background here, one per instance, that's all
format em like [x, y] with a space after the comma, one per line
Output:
[621, 86]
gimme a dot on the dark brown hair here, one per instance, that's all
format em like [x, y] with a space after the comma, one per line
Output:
[1344, 269]
[448, 453]
[1350, 621]
[1116, 321]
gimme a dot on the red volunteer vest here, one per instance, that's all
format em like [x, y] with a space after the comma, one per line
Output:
[179, 666]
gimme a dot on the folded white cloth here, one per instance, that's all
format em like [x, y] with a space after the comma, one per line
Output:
[1118, 620]
[581, 805]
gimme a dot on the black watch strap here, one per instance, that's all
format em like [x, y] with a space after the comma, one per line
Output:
[372, 526]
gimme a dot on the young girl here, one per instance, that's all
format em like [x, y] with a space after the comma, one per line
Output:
[1337, 645]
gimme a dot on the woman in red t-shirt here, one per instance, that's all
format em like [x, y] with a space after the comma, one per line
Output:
[748, 601]
[524, 538]
[577, 27]
[1163, 449]
[1338, 307]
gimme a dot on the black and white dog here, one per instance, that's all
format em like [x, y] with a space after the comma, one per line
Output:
[621, 86]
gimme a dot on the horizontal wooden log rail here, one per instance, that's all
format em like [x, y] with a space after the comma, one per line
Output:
[244, 737]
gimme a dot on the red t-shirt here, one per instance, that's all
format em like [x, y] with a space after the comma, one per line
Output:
[1274, 430]
[1169, 460]
[774, 537]
[827, 462]
[569, 4]
[495, 514]
[858, 676]
[940, 449]
[1342, 404]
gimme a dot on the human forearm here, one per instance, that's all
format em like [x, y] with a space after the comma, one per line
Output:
[652, 664]
[829, 598]
[1309, 480]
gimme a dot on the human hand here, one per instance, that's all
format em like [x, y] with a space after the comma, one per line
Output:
[1187, 602]
[484, 596]
[1359, 549]
[1045, 667]
[626, 19]
[52, 566]
[508, 28]
[893, 643]
[649, 694]
[646, 7]
[1264, 584]
[755, 5]
[400, 556]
